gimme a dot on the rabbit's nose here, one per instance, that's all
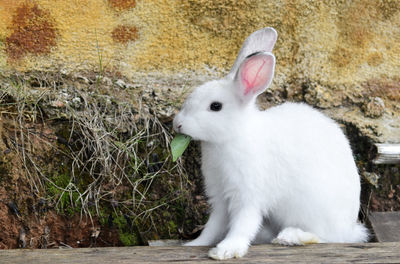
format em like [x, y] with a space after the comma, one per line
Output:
[177, 125]
[178, 128]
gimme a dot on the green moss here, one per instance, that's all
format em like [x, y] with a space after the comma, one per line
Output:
[127, 239]
[64, 192]
[126, 236]
[172, 226]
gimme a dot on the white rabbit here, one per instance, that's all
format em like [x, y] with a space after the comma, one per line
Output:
[285, 175]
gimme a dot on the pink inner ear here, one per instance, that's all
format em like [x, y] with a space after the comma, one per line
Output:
[255, 74]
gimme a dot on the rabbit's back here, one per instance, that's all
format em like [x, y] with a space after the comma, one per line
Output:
[310, 146]
[303, 133]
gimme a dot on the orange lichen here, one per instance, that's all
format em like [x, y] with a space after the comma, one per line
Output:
[342, 57]
[375, 59]
[355, 35]
[388, 8]
[385, 88]
[123, 34]
[222, 17]
[33, 31]
[122, 4]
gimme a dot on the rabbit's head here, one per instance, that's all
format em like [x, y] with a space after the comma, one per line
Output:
[215, 109]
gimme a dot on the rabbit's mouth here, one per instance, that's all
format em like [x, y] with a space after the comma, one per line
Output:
[179, 130]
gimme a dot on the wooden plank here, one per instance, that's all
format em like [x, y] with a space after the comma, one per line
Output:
[387, 154]
[317, 253]
[165, 243]
[386, 226]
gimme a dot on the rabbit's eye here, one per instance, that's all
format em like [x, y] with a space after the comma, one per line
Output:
[215, 106]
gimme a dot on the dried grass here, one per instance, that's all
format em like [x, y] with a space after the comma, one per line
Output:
[112, 146]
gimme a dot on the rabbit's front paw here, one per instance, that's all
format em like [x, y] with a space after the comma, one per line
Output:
[225, 251]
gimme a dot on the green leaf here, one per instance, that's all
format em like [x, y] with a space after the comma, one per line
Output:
[178, 145]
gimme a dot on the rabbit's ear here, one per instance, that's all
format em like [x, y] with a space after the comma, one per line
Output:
[254, 75]
[262, 40]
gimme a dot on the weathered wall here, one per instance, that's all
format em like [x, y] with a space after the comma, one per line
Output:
[345, 41]
[329, 53]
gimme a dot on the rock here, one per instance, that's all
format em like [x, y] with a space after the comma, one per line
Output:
[13, 208]
[83, 78]
[322, 96]
[130, 86]
[76, 102]
[121, 83]
[64, 71]
[57, 104]
[22, 238]
[105, 80]
[374, 107]
[371, 177]
[385, 129]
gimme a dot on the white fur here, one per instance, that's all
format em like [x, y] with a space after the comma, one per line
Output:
[286, 173]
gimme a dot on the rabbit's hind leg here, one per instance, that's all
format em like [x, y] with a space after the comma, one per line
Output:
[292, 236]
